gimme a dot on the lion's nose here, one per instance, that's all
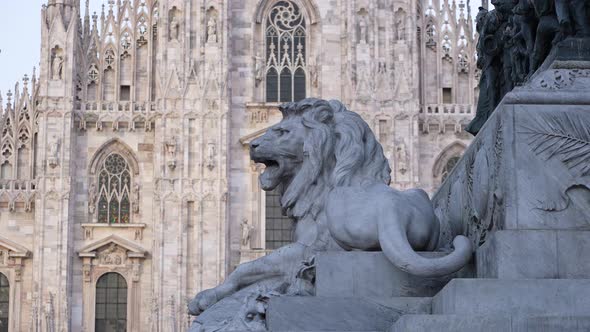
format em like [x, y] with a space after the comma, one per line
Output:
[254, 145]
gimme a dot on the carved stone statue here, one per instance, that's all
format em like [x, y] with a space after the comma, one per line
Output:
[211, 155]
[174, 27]
[57, 67]
[402, 158]
[246, 233]
[363, 34]
[334, 182]
[53, 153]
[212, 30]
[171, 152]
[258, 68]
[92, 196]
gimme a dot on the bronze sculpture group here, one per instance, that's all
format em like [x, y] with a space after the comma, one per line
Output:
[514, 40]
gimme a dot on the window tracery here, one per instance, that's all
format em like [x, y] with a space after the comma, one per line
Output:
[451, 163]
[114, 181]
[285, 53]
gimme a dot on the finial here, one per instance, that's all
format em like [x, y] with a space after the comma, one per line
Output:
[26, 80]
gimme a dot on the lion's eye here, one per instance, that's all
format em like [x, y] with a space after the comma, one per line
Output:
[281, 131]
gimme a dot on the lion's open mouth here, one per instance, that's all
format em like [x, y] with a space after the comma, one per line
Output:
[269, 179]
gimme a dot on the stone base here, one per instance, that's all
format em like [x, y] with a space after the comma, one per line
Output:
[370, 274]
[493, 323]
[555, 297]
[535, 254]
[312, 313]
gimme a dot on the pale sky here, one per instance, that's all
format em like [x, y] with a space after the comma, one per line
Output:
[20, 33]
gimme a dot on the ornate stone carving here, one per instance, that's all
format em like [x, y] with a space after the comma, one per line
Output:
[112, 255]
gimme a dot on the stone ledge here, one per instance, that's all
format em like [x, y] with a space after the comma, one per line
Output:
[526, 297]
[491, 323]
[370, 274]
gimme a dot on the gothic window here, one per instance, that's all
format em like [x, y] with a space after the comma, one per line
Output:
[111, 303]
[114, 181]
[285, 53]
[449, 167]
[4, 302]
[279, 228]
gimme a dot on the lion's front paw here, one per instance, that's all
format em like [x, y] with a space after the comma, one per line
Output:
[202, 301]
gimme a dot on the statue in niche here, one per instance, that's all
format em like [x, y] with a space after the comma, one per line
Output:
[572, 16]
[135, 201]
[400, 28]
[211, 154]
[53, 153]
[333, 178]
[313, 72]
[258, 68]
[246, 233]
[174, 26]
[92, 196]
[363, 33]
[212, 30]
[57, 67]
[402, 158]
[170, 146]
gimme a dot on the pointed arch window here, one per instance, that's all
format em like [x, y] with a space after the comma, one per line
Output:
[451, 163]
[114, 179]
[279, 228]
[111, 303]
[4, 302]
[285, 46]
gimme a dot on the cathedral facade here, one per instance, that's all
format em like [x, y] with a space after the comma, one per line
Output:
[125, 180]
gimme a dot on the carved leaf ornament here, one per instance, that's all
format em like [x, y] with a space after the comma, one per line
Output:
[566, 137]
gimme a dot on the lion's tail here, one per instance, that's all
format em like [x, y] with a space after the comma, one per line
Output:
[395, 245]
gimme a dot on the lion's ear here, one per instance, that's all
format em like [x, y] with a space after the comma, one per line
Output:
[323, 114]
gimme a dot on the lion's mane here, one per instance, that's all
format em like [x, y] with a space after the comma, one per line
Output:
[340, 150]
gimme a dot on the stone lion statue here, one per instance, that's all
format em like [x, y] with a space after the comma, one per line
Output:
[334, 182]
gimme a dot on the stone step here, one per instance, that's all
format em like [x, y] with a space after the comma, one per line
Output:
[556, 297]
[314, 313]
[491, 323]
[370, 274]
